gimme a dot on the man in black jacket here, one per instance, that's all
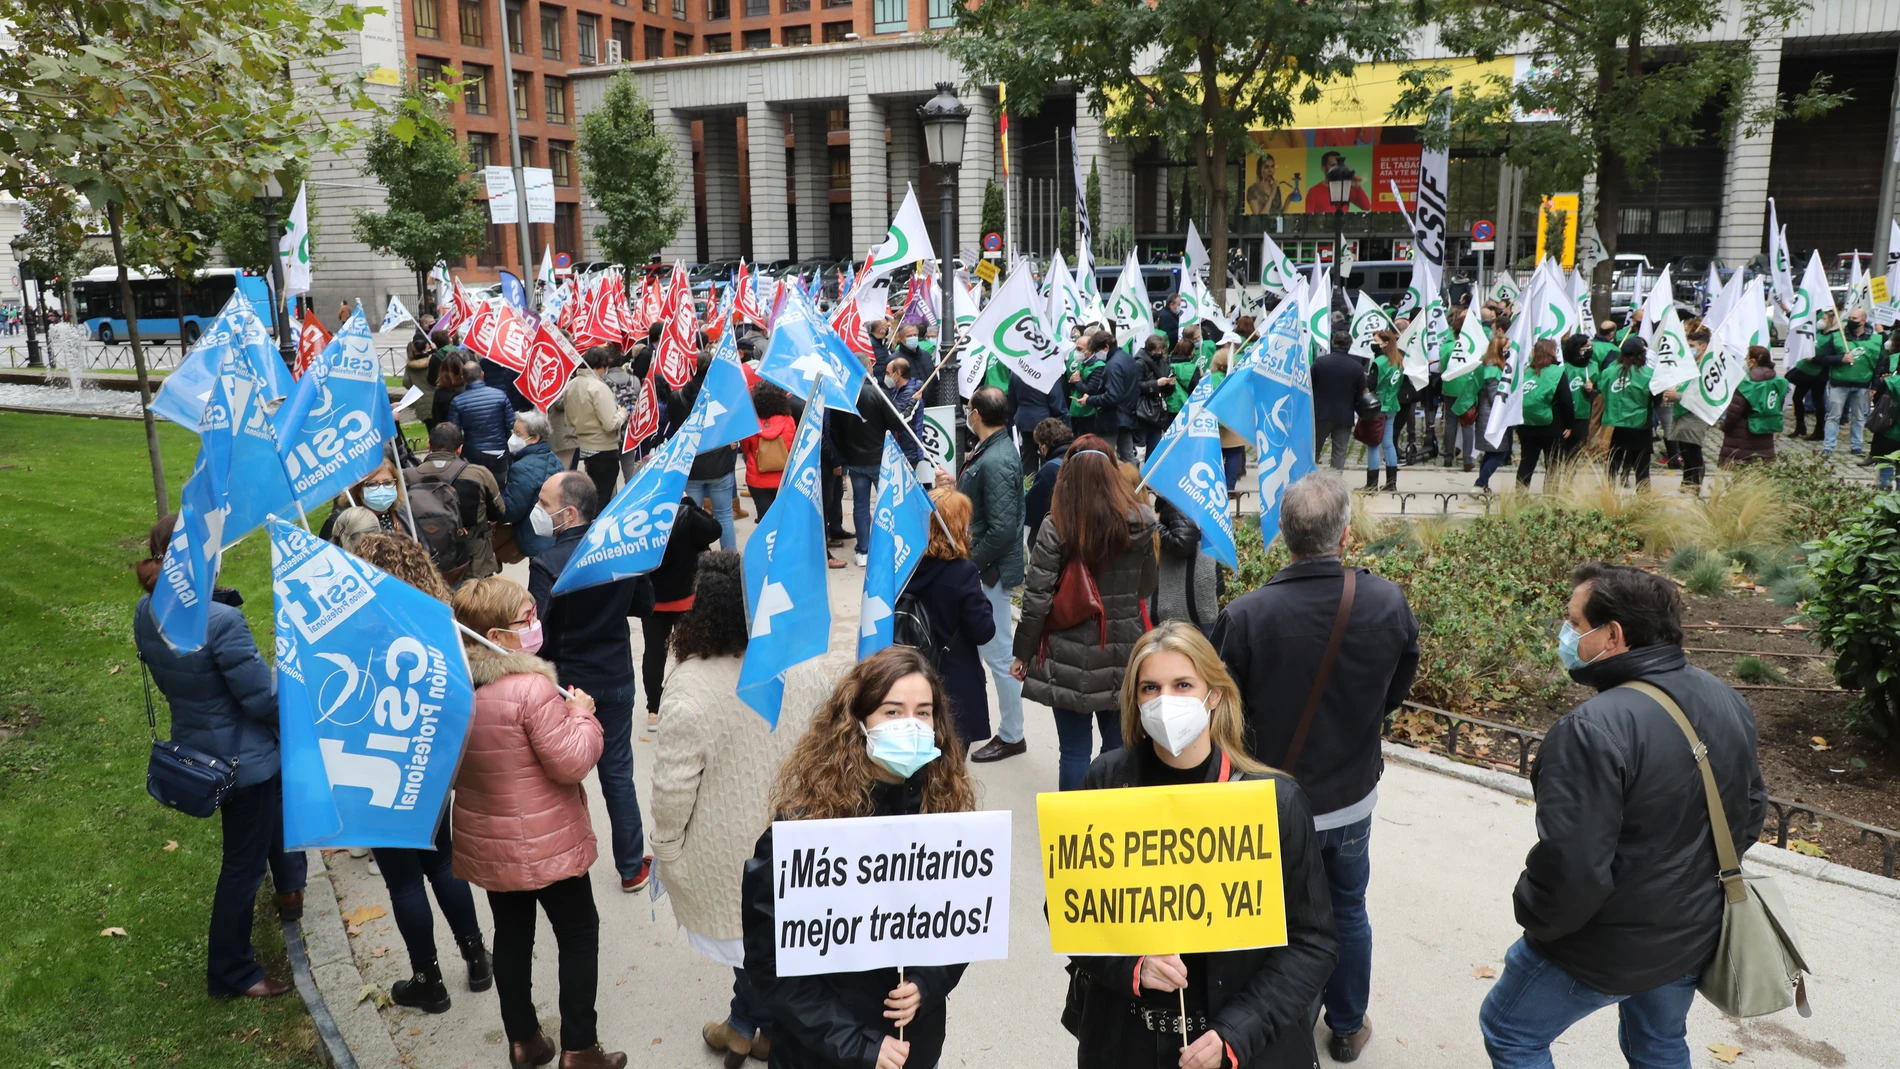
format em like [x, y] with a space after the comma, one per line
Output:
[1121, 391]
[585, 636]
[858, 441]
[1274, 641]
[1619, 898]
[1338, 378]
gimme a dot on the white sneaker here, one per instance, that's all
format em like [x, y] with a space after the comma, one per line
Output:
[359, 851]
[861, 559]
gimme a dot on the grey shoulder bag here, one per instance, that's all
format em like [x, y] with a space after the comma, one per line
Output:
[1757, 965]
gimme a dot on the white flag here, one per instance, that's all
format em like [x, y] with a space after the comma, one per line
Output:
[1316, 309]
[1661, 295]
[1063, 302]
[1277, 272]
[1780, 263]
[1707, 395]
[1746, 321]
[1010, 329]
[1725, 303]
[1580, 296]
[1857, 297]
[1368, 320]
[1669, 354]
[1710, 287]
[1542, 317]
[395, 315]
[1196, 303]
[1197, 260]
[907, 241]
[1813, 300]
[545, 277]
[1128, 306]
[1425, 334]
[1467, 348]
[1085, 271]
[970, 365]
[1504, 288]
[294, 249]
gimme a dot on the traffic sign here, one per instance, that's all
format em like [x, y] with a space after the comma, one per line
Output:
[1482, 230]
[563, 260]
[992, 242]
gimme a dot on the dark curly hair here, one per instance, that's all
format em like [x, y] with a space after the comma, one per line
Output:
[770, 399]
[715, 626]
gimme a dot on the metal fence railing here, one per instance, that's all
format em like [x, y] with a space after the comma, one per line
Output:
[160, 356]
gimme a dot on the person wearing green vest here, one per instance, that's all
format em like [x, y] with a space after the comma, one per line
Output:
[1546, 411]
[1886, 441]
[1626, 411]
[1603, 347]
[1088, 372]
[1387, 371]
[1754, 413]
[1491, 393]
[1187, 375]
[1452, 435]
[1849, 354]
[1577, 358]
[1693, 436]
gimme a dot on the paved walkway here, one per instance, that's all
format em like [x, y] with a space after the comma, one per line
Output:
[1446, 854]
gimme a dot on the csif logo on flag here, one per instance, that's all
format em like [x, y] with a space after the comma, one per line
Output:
[1020, 335]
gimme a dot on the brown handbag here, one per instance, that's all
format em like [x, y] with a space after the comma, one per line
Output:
[506, 551]
[771, 454]
[1076, 601]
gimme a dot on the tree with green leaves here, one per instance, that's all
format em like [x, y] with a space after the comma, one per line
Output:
[240, 223]
[433, 212]
[53, 228]
[153, 109]
[630, 171]
[1620, 80]
[1092, 196]
[179, 245]
[1198, 75]
[995, 217]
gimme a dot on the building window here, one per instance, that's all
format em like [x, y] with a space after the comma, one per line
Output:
[481, 151]
[835, 31]
[890, 16]
[797, 35]
[682, 44]
[757, 9]
[755, 39]
[942, 15]
[718, 9]
[428, 14]
[493, 255]
[567, 228]
[655, 42]
[587, 39]
[840, 167]
[623, 36]
[428, 69]
[679, 9]
[475, 89]
[516, 43]
[554, 100]
[550, 32]
[524, 83]
[718, 42]
[470, 14]
[837, 119]
[837, 3]
[527, 152]
[561, 162]
[651, 7]
[794, 7]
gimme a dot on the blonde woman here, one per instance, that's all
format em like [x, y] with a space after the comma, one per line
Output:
[1182, 720]
[883, 745]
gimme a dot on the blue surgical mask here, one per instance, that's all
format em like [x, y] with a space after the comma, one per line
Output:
[911, 343]
[379, 498]
[903, 745]
[1568, 639]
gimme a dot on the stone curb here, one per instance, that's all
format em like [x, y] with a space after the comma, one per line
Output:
[1769, 857]
[358, 1038]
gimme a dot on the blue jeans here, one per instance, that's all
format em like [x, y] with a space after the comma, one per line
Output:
[1388, 446]
[1234, 460]
[997, 653]
[863, 479]
[1851, 401]
[253, 825]
[1075, 741]
[721, 491]
[1344, 853]
[1492, 462]
[1536, 1000]
[613, 706]
[403, 874]
[749, 1012]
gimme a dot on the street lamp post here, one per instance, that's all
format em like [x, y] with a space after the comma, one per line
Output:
[944, 117]
[1339, 187]
[21, 258]
[280, 315]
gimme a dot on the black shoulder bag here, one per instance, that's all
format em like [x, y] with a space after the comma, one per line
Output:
[182, 778]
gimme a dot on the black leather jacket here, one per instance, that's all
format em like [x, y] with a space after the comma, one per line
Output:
[1621, 888]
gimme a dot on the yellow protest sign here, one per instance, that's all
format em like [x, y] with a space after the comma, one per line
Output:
[1163, 870]
[1559, 210]
[1877, 288]
[987, 271]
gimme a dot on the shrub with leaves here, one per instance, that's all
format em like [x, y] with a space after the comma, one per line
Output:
[1813, 487]
[1853, 607]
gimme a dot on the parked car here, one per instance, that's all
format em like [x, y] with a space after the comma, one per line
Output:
[1162, 280]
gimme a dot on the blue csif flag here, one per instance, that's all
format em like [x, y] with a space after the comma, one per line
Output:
[785, 596]
[1232, 403]
[333, 429]
[181, 600]
[181, 398]
[1283, 417]
[900, 519]
[803, 345]
[728, 400]
[256, 484]
[514, 292]
[1187, 470]
[373, 699]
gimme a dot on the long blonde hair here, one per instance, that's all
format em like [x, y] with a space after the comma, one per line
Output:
[1226, 722]
[830, 774]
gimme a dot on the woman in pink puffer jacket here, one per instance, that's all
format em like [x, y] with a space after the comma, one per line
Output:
[521, 828]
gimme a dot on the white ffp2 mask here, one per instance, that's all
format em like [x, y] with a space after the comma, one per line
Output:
[1174, 720]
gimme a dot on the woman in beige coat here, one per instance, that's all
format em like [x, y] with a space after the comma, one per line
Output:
[713, 771]
[521, 828]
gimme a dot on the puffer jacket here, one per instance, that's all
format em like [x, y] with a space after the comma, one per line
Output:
[223, 696]
[520, 812]
[1074, 669]
[527, 470]
[992, 478]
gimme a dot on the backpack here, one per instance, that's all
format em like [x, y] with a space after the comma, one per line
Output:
[437, 507]
[910, 626]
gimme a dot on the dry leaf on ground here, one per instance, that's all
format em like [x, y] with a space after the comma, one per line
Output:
[362, 914]
[171, 844]
[114, 932]
[1485, 972]
[377, 952]
[1818, 743]
[1725, 1053]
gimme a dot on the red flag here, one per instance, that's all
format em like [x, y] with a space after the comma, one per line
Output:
[551, 362]
[510, 348]
[849, 323]
[595, 328]
[679, 354]
[644, 423]
[746, 302]
[478, 332]
[570, 316]
[652, 301]
[464, 304]
[311, 338]
[618, 318]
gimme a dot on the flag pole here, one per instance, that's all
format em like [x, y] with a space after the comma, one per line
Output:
[402, 486]
[904, 423]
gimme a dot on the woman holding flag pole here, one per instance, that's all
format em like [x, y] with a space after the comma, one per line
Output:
[1237, 1009]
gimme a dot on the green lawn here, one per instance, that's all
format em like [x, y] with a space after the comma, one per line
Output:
[82, 847]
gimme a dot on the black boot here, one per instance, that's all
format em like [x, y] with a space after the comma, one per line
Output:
[425, 990]
[1372, 479]
[481, 971]
[1392, 479]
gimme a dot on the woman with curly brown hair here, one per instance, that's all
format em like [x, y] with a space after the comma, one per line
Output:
[883, 745]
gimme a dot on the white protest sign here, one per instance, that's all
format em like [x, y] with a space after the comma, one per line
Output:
[503, 208]
[886, 892]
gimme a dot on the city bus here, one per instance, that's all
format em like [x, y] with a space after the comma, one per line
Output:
[96, 303]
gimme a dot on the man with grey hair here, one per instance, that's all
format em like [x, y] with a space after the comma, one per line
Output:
[1322, 653]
